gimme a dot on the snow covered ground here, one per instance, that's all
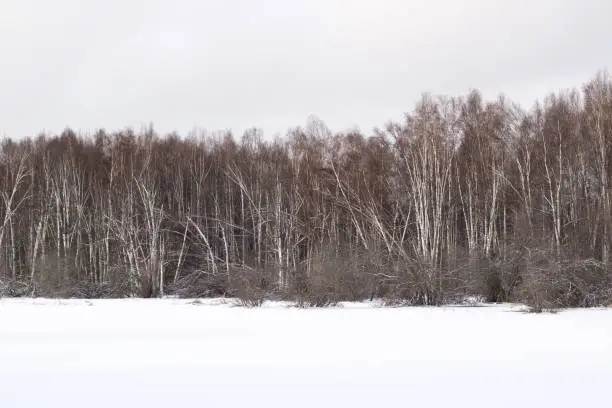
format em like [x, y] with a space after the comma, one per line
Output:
[173, 353]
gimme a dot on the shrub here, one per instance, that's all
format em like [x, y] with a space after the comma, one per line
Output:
[249, 285]
[549, 284]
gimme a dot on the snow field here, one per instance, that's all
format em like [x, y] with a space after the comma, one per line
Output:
[161, 353]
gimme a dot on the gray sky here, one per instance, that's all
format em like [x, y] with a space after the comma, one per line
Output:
[184, 64]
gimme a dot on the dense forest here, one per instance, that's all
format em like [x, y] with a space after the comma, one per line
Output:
[462, 197]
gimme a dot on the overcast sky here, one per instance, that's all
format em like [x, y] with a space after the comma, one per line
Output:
[234, 64]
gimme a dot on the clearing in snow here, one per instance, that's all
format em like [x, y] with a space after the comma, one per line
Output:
[179, 353]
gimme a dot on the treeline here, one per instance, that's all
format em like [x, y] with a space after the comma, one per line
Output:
[463, 197]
